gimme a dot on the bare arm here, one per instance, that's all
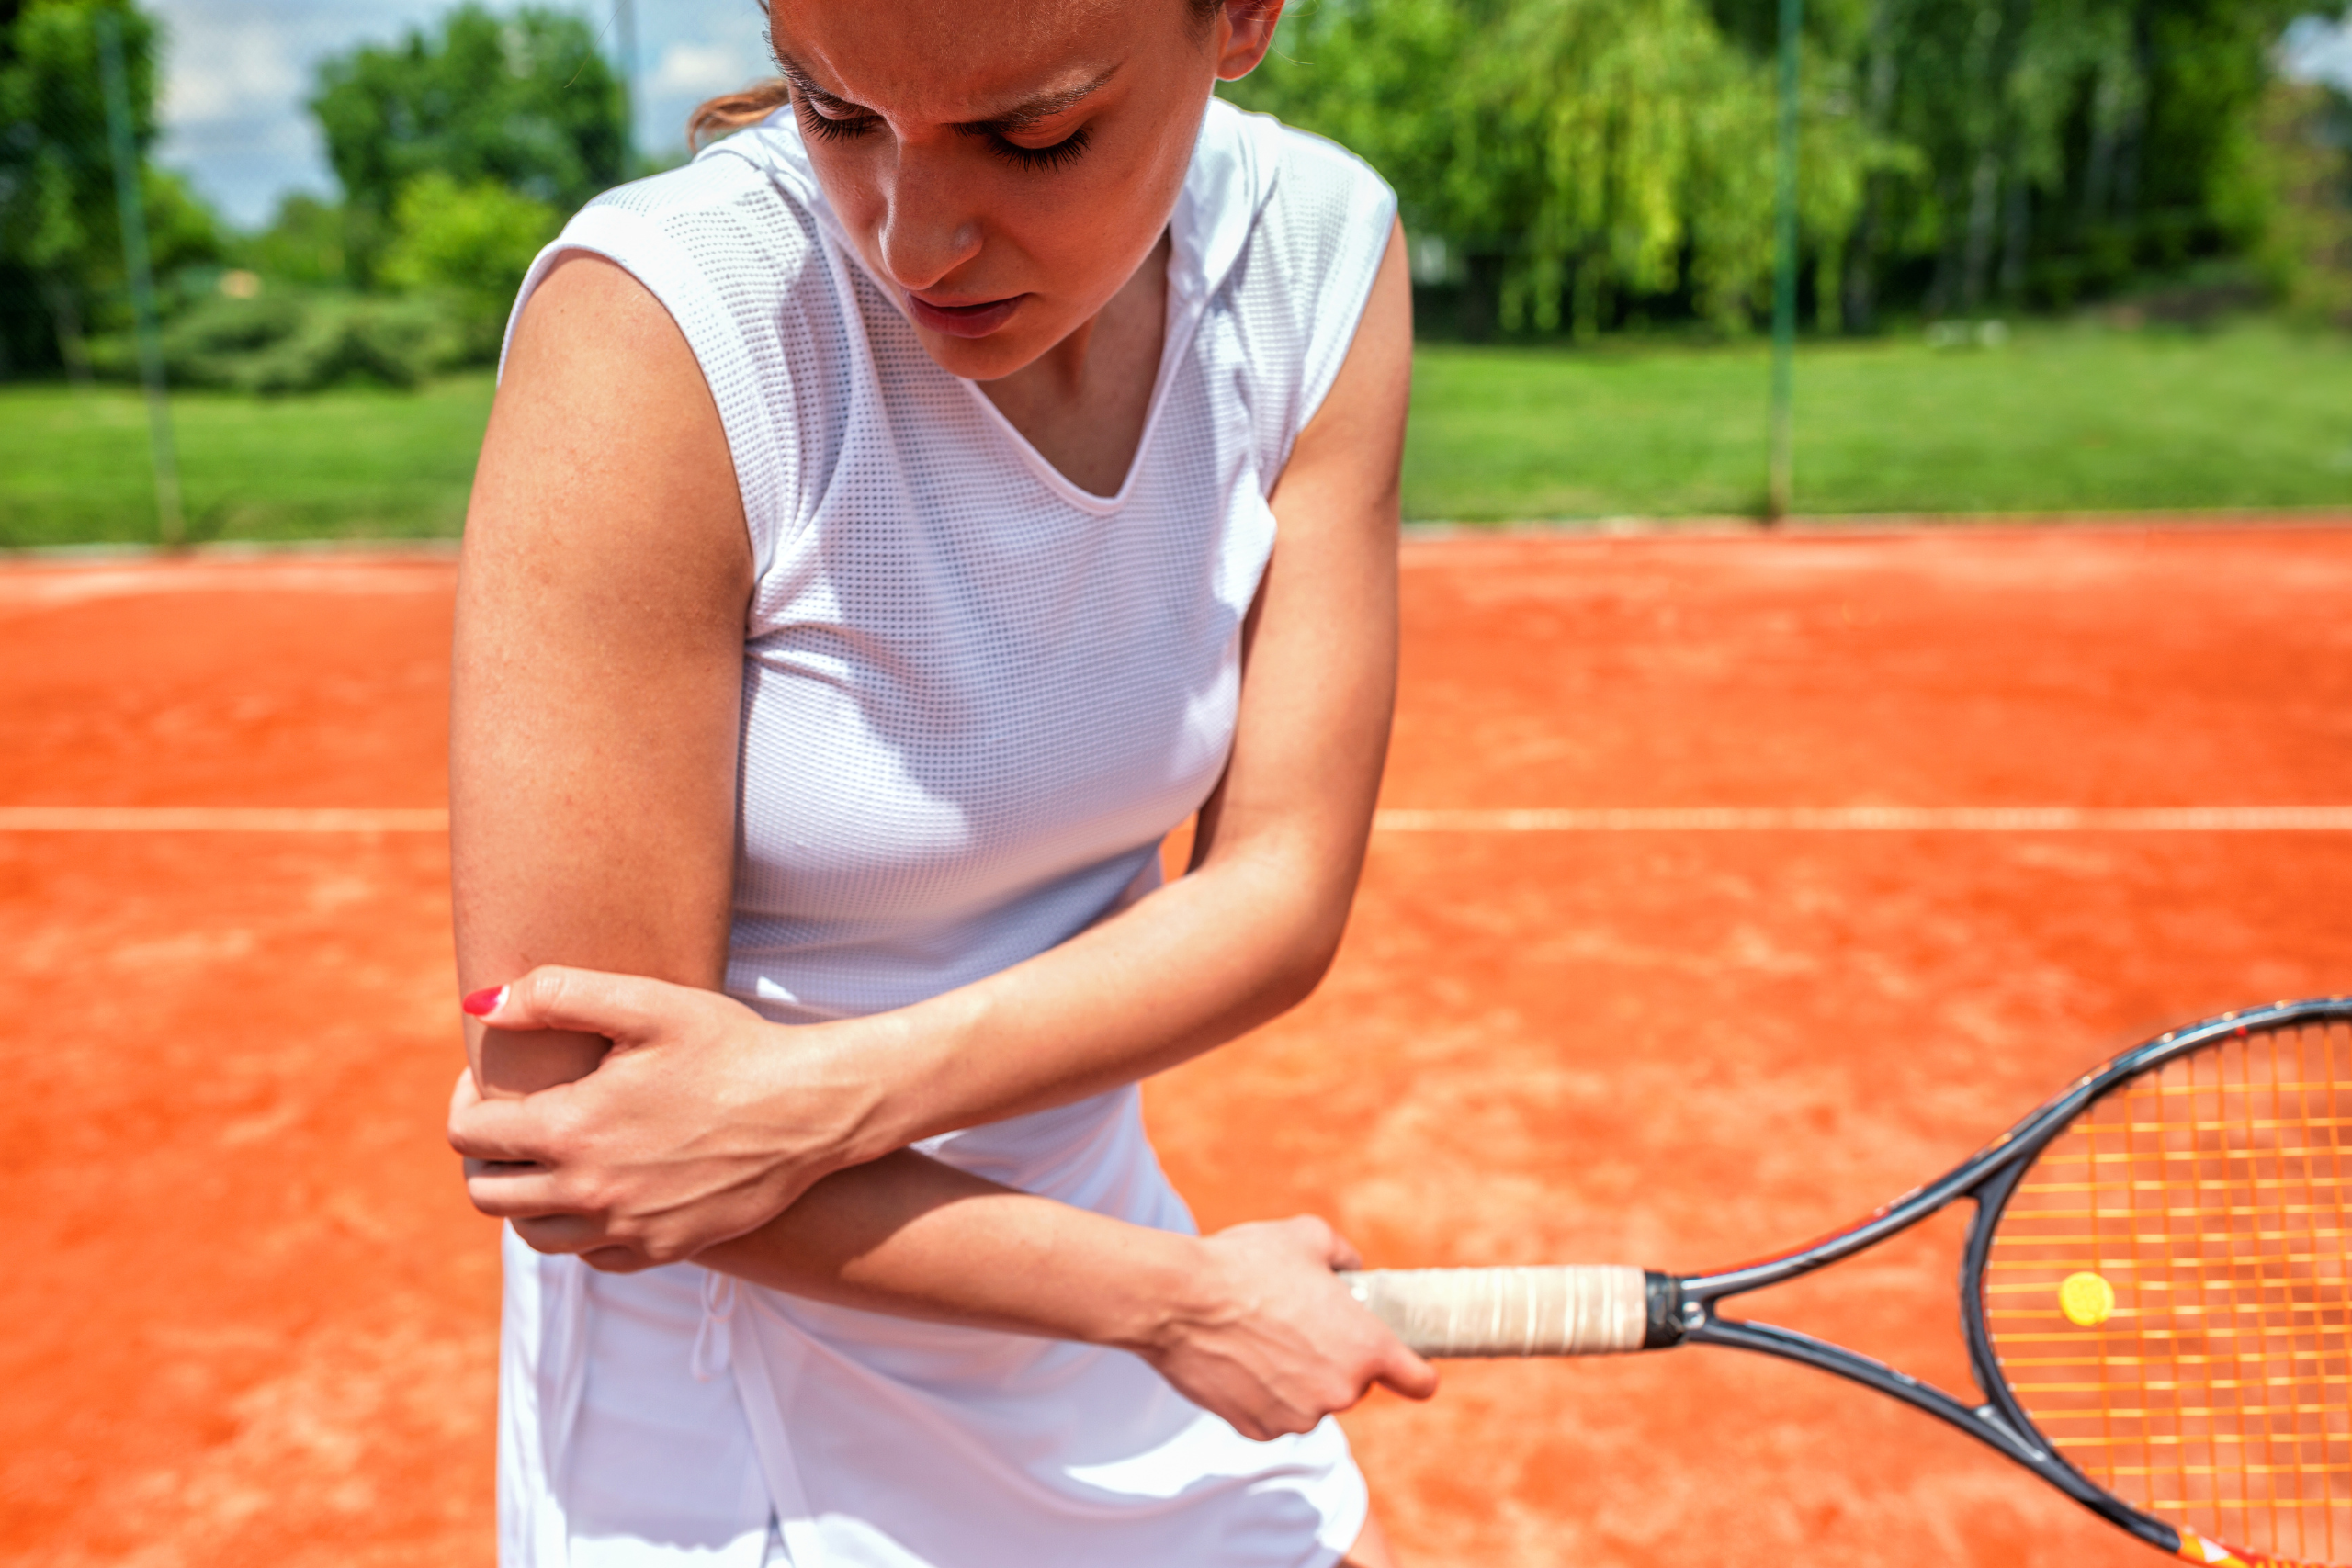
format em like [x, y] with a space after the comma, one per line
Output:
[707, 1133]
[596, 708]
[598, 666]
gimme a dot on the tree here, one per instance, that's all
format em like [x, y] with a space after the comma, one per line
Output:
[1590, 158]
[470, 244]
[60, 237]
[522, 101]
[2066, 145]
[2297, 191]
[1599, 161]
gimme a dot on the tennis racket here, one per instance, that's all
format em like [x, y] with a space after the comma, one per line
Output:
[2156, 1291]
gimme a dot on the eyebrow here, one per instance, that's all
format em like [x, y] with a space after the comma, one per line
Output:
[1019, 116]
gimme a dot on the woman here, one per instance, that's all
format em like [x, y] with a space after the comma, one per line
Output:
[890, 526]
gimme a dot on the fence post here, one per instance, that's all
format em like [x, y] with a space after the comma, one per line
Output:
[625, 26]
[1782, 495]
[169, 525]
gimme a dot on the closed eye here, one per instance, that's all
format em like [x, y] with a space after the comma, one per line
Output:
[1061, 154]
[833, 121]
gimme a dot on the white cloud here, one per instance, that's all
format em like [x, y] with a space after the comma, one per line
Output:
[223, 69]
[703, 70]
[2316, 50]
[236, 75]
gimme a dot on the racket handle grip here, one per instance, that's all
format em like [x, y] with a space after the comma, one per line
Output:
[1589, 1310]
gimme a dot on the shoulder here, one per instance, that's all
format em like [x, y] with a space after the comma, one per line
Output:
[738, 216]
[1311, 196]
[1292, 226]
[731, 247]
[1293, 230]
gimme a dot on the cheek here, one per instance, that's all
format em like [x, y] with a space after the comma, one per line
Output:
[854, 181]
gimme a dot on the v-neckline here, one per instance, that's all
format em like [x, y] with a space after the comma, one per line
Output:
[1184, 295]
[1188, 235]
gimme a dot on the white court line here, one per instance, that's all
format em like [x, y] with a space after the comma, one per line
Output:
[1881, 819]
[217, 819]
[1599, 819]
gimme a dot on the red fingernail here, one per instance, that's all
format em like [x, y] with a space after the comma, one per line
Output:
[485, 1002]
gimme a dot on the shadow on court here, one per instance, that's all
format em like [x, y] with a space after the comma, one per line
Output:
[252, 1317]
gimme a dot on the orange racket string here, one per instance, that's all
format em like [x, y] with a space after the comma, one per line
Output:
[2338, 1421]
[2207, 1376]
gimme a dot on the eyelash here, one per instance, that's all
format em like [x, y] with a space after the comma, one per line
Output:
[1061, 154]
[1045, 160]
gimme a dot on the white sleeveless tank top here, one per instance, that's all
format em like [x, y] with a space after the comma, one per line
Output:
[975, 699]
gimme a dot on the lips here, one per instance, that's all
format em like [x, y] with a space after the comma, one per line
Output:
[963, 320]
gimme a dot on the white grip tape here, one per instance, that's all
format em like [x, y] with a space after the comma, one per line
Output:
[1593, 1309]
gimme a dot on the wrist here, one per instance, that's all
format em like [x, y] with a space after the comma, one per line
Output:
[904, 1067]
[841, 1090]
[1182, 1287]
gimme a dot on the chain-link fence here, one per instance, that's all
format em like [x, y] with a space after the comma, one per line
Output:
[337, 200]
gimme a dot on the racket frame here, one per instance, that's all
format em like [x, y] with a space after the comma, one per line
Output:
[1682, 1308]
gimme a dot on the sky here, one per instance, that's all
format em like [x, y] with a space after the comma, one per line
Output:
[237, 70]
[237, 73]
[2316, 50]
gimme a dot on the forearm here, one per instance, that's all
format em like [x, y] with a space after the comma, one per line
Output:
[913, 1237]
[1198, 964]
[1251, 930]
[1250, 1323]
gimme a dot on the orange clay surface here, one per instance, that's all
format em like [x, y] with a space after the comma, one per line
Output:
[249, 1317]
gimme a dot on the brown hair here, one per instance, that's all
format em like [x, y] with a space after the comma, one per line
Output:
[733, 111]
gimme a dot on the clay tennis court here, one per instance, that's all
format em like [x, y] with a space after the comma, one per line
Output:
[250, 1318]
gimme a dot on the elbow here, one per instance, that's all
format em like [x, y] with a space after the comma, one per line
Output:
[1296, 982]
[1301, 962]
[1294, 901]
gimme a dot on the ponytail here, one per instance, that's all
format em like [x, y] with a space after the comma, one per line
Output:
[733, 111]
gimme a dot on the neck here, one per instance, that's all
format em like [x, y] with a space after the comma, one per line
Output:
[1082, 403]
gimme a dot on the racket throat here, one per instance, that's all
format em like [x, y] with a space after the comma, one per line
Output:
[1666, 1317]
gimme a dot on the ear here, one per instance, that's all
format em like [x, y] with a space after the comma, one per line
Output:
[1245, 31]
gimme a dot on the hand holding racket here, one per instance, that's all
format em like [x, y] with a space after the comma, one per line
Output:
[2155, 1290]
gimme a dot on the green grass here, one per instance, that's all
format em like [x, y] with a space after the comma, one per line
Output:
[2060, 419]
[347, 464]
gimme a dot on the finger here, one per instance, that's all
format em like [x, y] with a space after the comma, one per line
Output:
[518, 1192]
[532, 1131]
[1337, 1251]
[618, 1007]
[579, 1235]
[616, 1260]
[465, 1093]
[1402, 1372]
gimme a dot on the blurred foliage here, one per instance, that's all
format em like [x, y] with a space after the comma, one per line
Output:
[303, 245]
[60, 239]
[1590, 163]
[470, 245]
[522, 101]
[2302, 169]
[284, 342]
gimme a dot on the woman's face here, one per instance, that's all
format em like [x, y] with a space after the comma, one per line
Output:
[1005, 167]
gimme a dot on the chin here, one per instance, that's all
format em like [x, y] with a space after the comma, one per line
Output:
[987, 358]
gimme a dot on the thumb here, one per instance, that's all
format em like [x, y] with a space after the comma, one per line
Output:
[623, 1009]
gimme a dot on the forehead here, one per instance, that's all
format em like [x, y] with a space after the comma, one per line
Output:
[951, 62]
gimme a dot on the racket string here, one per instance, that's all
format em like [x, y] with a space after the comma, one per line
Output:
[2201, 1374]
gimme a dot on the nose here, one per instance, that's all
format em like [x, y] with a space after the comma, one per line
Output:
[929, 227]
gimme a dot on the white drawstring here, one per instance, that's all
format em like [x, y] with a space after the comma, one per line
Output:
[715, 1340]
